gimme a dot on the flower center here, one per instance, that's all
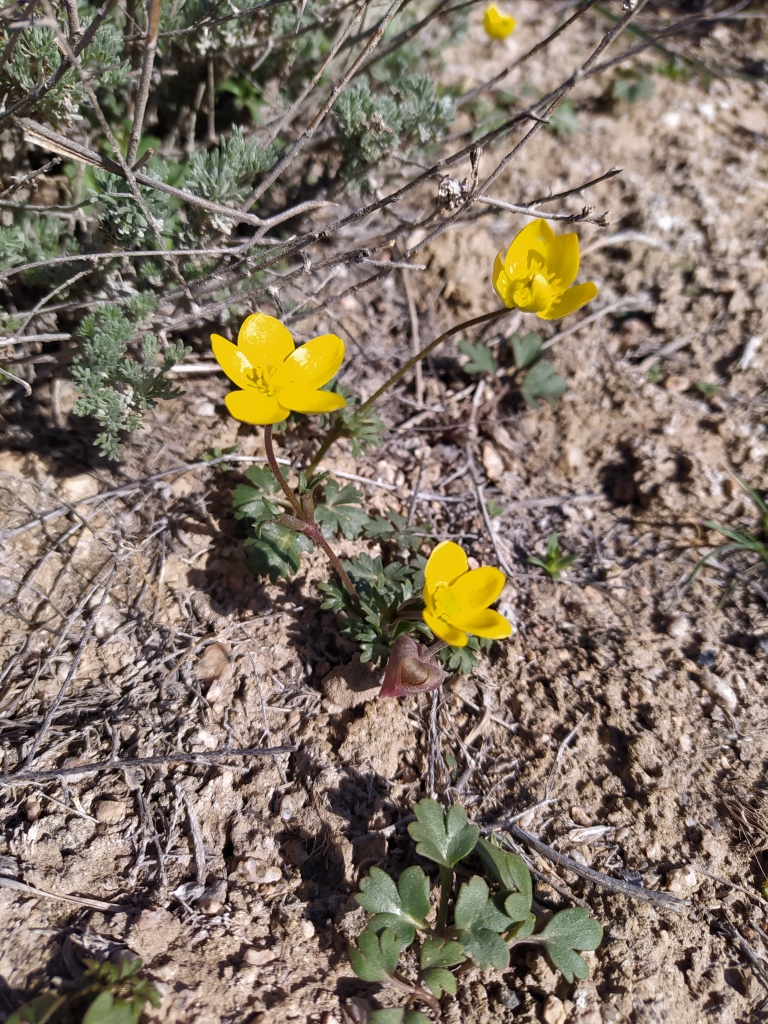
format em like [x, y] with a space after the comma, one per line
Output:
[444, 601]
[261, 379]
[536, 292]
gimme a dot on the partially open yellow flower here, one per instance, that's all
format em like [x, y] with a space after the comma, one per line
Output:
[496, 24]
[457, 597]
[537, 272]
[277, 378]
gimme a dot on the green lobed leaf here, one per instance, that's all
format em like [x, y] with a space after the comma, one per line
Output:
[476, 909]
[276, 551]
[440, 981]
[510, 871]
[481, 359]
[441, 953]
[105, 1009]
[542, 381]
[443, 838]
[341, 513]
[526, 350]
[568, 931]
[375, 956]
[400, 926]
[408, 899]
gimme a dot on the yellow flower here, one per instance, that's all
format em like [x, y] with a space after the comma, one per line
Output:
[276, 377]
[537, 272]
[496, 24]
[457, 597]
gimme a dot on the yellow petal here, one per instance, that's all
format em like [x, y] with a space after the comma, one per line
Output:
[446, 563]
[263, 339]
[252, 406]
[534, 241]
[311, 365]
[501, 283]
[487, 623]
[476, 589]
[563, 258]
[574, 298]
[451, 635]
[304, 400]
[232, 361]
[496, 24]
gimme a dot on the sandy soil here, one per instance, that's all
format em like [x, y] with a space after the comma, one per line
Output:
[233, 879]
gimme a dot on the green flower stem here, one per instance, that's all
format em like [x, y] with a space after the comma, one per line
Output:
[446, 880]
[334, 434]
[304, 520]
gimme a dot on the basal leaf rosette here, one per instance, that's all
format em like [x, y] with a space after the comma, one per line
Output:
[273, 376]
[537, 273]
[496, 24]
[457, 598]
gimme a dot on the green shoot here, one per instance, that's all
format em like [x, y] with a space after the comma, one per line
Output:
[554, 562]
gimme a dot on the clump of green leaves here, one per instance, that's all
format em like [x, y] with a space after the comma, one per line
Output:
[374, 123]
[554, 563]
[225, 174]
[386, 584]
[490, 914]
[540, 380]
[740, 540]
[117, 389]
[107, 994]
[536, 378]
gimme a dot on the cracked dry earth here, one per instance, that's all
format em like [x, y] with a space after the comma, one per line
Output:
[233, 879]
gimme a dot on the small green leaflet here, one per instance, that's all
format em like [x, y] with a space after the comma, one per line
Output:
[375, 956]
[481, 359]
[398, 1016]
[276, 551]
[402, 907]
[479, 922]
[443, 838]
[542, 381]
[526, 349]
[341, 511]
[568, 931]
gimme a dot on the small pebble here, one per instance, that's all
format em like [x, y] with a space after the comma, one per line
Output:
[553, 1011]
[682, 879]
[258, 872]
[259, 957]
[720, 690]
[32, 808]
[706, 659]
[109, 811]
[678, 626]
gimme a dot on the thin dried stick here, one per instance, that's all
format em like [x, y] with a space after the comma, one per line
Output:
[415, 339]
[203, 758]
[46, 138]
[81, 901]
[145, 81]
[661, 899]
[317, 120]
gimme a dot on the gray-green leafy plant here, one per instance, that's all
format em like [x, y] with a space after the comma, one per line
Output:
[479, 920]
[116, 388]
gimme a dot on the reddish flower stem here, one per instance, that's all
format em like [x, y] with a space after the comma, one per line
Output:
[304, 520]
